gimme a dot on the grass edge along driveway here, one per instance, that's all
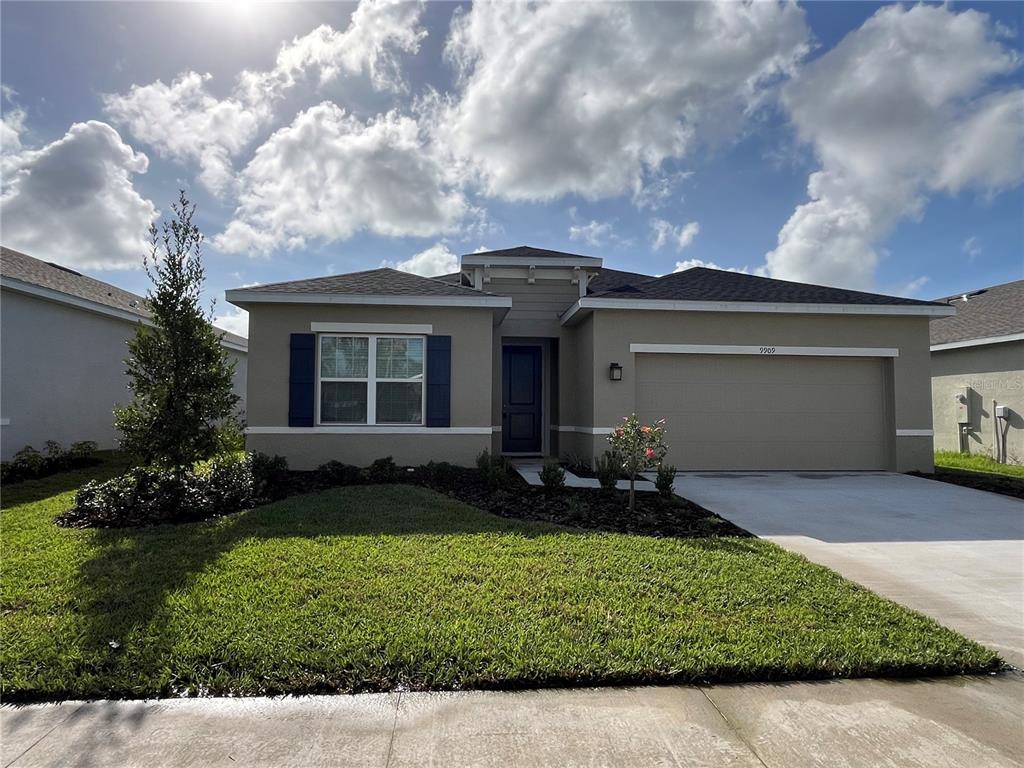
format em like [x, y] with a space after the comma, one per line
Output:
[379, 587]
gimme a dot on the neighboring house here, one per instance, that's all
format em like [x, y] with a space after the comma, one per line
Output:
[63, 342]
[535, 352]
[978, 365]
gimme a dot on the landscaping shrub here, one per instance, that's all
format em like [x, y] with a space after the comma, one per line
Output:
[638, 447]
[230, 436]
[152, 495]
[497, 471]
[553, 476]
[28, 463]
[607, 469]
[438, 474]
[269, 475]
[338, 473]
[666, 476]
[383, 471]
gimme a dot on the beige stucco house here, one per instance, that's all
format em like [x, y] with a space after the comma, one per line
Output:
[62, 351]
[534, 352]
[978, 373]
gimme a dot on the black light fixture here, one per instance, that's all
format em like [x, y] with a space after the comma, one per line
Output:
[615, 372]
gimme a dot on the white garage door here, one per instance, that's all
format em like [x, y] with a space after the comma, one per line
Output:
[752, 412]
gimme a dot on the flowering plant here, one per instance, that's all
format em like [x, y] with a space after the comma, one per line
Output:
[638, 447]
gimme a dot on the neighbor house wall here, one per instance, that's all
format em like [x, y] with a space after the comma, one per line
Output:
[270, 329]
[63, 373]
[615, 330]
[993, 372]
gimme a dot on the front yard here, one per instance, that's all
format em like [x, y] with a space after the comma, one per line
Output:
[381, 587]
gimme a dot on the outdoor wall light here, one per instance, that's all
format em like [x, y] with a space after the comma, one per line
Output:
[615, 372]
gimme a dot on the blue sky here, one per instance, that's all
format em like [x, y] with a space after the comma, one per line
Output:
[877, 147]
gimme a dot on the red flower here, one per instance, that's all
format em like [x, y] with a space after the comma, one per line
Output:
[645, 429]
[649, 453]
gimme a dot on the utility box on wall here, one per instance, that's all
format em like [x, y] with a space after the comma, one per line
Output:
[963, 406]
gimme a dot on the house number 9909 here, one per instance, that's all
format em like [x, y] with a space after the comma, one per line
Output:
[767, 350]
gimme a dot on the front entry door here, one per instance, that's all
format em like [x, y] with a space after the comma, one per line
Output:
[521, 377]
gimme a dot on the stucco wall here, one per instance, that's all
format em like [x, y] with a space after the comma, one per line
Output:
[270, 327]
[62, 372]
[908, 396]
[993, 372]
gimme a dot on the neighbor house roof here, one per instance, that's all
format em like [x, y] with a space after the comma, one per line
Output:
[19, 271]
[706, 284]
[989, 315]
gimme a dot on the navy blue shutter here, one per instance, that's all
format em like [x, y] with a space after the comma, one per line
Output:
[439, 381]
[301, 380]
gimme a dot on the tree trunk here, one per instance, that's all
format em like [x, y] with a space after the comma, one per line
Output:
[632, 497]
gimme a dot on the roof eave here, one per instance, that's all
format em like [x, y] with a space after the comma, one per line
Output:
[979, 342]
[245, 298]
[583, 306]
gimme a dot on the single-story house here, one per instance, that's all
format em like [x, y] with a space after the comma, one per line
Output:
[532, 352]
[978, 373]
[62, 352]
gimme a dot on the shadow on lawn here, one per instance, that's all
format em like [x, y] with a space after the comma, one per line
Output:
[132, 571]
[30, 491]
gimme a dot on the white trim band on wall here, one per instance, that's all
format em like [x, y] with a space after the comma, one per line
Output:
[586, 430]
[375, 328]
[767, 350]
[368, 429]
[915, 433]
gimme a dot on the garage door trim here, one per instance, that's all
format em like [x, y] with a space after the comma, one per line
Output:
[766, 350]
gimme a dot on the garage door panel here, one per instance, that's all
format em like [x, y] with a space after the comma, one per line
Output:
[749, 412]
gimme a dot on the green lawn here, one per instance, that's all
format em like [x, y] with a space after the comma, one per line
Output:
[975, 463]
[371, 588]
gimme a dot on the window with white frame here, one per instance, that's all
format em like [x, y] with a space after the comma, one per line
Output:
[372, 379]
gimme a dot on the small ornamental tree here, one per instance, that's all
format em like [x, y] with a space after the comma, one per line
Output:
[638, 447]
[177, 369]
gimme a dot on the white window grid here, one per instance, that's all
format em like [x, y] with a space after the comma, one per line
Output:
[371, 379]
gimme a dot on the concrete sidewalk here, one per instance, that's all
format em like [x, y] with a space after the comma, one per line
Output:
[967, 722]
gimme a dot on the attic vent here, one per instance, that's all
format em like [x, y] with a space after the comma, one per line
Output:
[64, 269]
[967, 296]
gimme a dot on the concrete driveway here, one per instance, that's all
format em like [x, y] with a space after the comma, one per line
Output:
[953, 553]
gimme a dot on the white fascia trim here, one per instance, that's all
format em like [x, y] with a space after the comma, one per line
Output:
[915, 433]
[978, 342]
[764, 351]
[378, 328]
[587, 430]
[483, 260]
[366, 429]
[241, 296]
[92, 306]
[752, 306]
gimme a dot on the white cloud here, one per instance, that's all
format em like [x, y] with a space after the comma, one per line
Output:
[436, 260]
[592, 98]
[896, 111]
[329, 175]
[12, 123]
[681, 237]
[185, 122]
[971, 248]
[914, 287]
[235, 320]
[655, 193]
[377, 31]
[72, 201]
[682, 266]
[593, 232]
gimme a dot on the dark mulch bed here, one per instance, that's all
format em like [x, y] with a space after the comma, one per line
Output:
[982, 481]
[590, 508]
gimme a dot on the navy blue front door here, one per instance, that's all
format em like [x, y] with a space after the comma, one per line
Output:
[521, 377]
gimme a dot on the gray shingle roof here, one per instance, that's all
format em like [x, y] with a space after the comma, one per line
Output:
[705, 284]
[20, 266]
[525, 251]
[995, 311]
[373, 282]
[610, 279]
